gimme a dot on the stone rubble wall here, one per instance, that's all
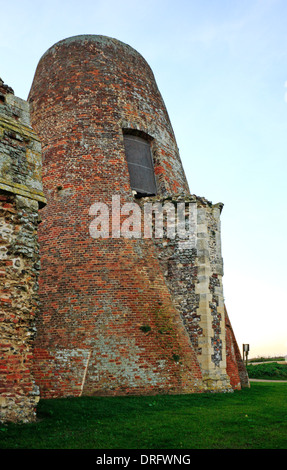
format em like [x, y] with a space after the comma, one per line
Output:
[194, 276]
[20, 196]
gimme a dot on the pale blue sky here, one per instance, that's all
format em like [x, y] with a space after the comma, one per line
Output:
[221, 67]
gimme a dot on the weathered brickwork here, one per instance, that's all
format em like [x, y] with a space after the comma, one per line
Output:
[235, 365]
[99, 296]
[20, 195]
[117, 315]
[112, 320]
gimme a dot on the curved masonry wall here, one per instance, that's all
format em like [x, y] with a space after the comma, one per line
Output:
[98, 296]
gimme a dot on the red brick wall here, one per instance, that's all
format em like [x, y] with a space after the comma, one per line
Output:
[234, 364]
[105, 304]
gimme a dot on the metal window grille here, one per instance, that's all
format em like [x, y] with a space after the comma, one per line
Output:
[140, 164]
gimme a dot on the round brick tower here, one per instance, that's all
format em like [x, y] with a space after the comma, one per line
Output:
[108, 323]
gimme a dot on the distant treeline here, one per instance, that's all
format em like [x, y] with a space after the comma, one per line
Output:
[268, 358]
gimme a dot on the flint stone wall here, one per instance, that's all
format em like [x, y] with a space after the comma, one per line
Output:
[20, 196]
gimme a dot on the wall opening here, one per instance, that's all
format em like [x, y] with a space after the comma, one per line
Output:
[140, 165]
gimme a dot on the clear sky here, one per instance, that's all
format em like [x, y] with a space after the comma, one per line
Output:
[221, 67]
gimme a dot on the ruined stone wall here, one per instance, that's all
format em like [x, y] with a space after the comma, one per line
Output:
[193, 270]
[20, 196]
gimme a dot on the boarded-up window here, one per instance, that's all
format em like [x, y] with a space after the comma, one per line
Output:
[138, 154]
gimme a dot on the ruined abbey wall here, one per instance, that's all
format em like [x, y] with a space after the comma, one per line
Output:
[20, 196]
[194, 276]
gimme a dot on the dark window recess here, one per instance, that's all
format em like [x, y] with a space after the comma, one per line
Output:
[140, 165]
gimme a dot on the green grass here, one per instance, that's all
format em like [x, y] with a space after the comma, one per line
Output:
[269, 371]
[254, 418]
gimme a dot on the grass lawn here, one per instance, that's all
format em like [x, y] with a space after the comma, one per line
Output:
[254, 418]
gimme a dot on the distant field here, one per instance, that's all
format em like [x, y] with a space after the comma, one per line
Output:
[266, 359]
[254, 418]
[268, 370]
